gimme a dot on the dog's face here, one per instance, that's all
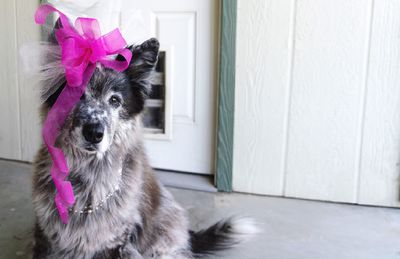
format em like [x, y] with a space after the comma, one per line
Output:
[111, 101]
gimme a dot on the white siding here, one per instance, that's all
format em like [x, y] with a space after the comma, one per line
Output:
[331, 39]
[318, 100]
[10, 145]
[262, 87]
[28, 31]
[19, 131]
[380, 167]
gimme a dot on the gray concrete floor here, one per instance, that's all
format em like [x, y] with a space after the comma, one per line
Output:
[291, 228]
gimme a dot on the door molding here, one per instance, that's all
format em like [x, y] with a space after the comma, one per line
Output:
[226, 96]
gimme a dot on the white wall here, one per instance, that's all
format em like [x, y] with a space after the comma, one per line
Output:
[19, 131]
[318, 100]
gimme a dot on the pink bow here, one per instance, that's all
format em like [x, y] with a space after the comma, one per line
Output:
[82, 47]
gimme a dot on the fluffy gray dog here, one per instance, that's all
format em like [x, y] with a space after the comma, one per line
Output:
[121, 209]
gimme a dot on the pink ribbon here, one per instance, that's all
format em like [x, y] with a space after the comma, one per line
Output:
[82, 47]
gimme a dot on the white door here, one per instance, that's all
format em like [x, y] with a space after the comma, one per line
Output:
[180, 116]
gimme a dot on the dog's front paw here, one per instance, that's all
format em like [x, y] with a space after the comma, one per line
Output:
[129, 252]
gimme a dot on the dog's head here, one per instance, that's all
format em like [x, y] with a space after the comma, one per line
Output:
[111, 102]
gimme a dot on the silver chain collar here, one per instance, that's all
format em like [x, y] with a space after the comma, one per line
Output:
[89, 209]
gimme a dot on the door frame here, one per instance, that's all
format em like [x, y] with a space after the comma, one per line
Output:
[226, 95]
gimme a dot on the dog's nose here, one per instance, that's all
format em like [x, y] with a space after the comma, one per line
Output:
[93, 132]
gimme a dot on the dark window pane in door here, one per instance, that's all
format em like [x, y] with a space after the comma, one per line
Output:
[154, 111]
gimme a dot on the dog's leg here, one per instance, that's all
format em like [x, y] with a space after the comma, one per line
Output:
[128, 251]
[41, 247]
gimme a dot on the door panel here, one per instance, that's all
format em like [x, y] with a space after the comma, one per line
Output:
[187, 31]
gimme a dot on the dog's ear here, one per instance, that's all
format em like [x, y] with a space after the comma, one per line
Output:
[52, 35]
[52, 72]
[144, 59]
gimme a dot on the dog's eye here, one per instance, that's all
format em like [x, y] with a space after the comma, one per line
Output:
[115, 101]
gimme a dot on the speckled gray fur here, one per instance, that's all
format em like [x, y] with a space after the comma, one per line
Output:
[142, 219]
